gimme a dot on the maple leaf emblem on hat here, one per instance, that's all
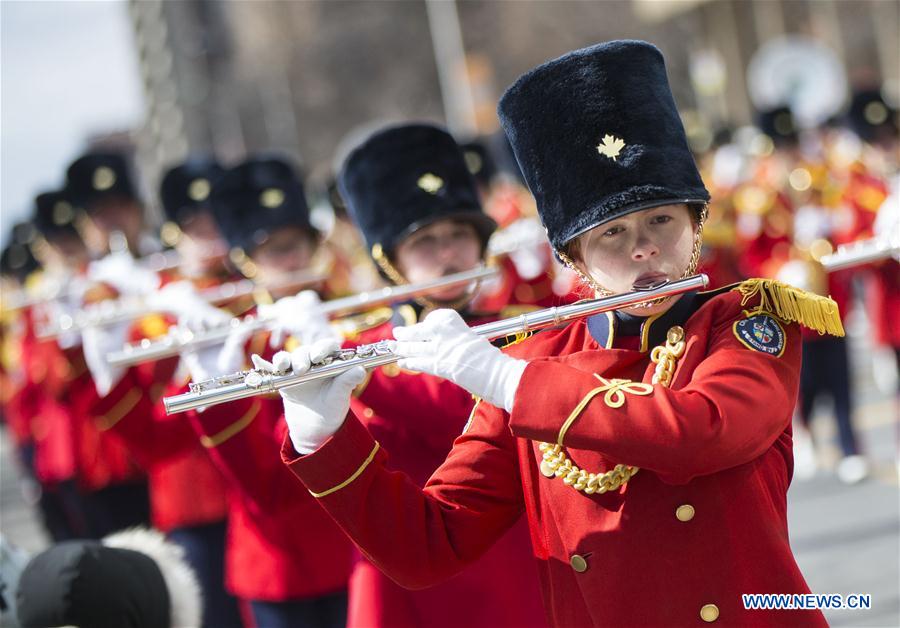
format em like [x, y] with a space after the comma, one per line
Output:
[611, 146]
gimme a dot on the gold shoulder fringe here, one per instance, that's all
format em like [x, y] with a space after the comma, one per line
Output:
[793, 304]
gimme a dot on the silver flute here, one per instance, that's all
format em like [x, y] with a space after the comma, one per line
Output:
[245, 384]
[862, 252]
[130, 308]
[178, 339]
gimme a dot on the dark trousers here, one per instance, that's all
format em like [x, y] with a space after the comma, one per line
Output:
[117, 507]
[62, 511]
[326, 611]
[60, 505]
[204, 549]
[826, 372]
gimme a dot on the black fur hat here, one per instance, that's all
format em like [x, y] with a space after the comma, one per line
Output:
[871, 117]
[406, 177]
[186, 188]
[95, 177]
[54, 215]
[778, 123]
[256, 197]
[597, 136]
[479, 161]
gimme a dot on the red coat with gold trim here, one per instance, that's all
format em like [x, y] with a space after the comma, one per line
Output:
[417, 417]
[281, 545]
[701, 523]
[186, 488]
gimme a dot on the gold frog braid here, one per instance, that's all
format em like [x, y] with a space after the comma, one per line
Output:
[555, 462]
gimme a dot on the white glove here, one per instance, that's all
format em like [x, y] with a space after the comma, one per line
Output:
[122, 272]
[208, 362]
[443, 345]
[54, 311]
[300, 316]
[314, 410]
[96, 343]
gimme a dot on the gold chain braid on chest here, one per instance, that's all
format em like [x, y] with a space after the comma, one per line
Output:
[554, 461]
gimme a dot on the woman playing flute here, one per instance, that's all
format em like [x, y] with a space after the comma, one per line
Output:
[650, 449]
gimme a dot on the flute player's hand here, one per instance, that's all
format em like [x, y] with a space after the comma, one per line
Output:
[314, 410]
[445, 346]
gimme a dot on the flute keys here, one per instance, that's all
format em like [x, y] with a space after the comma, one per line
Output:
[253, 379]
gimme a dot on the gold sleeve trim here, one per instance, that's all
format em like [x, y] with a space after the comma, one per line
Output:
[235, 428]
[125, 405]
[471, 415]
[355, 475]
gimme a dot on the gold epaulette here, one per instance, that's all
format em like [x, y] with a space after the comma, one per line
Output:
[793, 304]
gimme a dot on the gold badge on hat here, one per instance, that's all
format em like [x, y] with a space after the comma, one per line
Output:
[611, 146]
[271, 198]
[104, 178]
[199, 190]
[474, 162]
[431, 183]
[63, 213]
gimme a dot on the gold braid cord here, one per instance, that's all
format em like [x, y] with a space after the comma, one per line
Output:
[555, 462]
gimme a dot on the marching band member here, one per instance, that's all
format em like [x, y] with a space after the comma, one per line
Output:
[291, 574]
[46, 368]
[650, 449]
[188, 500]
[408, 190]
[112, 486]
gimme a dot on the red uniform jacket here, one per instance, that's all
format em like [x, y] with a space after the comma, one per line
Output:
[417, 417]
[68, 442]
[281, 545]
[701, 523]
[186, 488]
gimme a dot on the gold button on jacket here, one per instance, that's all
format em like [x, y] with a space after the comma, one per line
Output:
[709, 612]
[685, 512]
[578, 563]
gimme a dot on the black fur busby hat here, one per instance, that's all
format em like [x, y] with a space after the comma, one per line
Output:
[871, 117]
[186, 188]
[778, 123]
[597, 136]
[406, 177]
[479, 161]
[256, 197]
[17, 260]
[134, 579]
[95, 177]
[84, 583]
[54, 215]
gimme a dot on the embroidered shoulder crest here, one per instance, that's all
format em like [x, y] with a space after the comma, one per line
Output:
[761, 332]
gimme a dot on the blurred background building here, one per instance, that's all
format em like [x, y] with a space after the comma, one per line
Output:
[296, 77]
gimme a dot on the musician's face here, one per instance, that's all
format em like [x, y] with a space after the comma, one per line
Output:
[69, 250]
[637, 249]
[286, 251]
[201, 246]
[118, 214]
[442, 248]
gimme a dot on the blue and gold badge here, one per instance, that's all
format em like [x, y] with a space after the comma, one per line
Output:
[761, 332]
